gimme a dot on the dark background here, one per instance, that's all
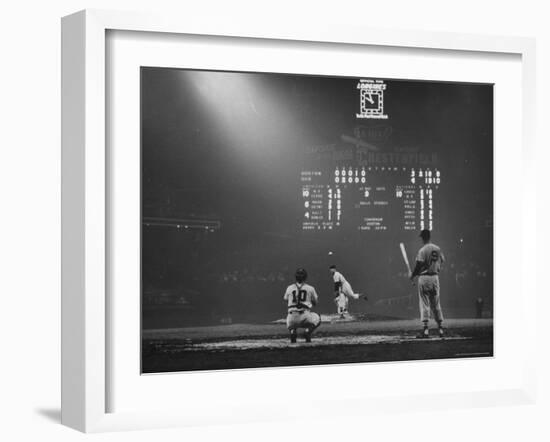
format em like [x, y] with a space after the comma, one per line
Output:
[221, 194]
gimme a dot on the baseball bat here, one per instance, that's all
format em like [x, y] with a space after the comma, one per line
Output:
[404, 253]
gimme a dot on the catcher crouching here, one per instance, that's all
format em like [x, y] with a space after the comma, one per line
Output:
[301, 298]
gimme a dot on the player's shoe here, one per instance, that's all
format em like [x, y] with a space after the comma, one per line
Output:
[441, 332]
[424, 335]
[293, 337]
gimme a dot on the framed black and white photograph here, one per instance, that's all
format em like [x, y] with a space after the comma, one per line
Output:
[249, 208]
[280, 210]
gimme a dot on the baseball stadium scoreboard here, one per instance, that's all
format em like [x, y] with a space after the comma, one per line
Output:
[369, 198]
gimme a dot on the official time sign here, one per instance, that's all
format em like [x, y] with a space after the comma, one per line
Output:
[371, 99]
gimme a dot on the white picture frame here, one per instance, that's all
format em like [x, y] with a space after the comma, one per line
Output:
[85, 202]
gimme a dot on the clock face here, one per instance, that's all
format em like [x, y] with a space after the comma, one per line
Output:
[371, 100]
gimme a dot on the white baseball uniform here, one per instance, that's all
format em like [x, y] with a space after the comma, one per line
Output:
[344, 285]
[300, 300]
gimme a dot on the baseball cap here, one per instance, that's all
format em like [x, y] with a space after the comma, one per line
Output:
[425, 234]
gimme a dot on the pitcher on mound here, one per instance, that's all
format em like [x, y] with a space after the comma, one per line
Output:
[343, 291]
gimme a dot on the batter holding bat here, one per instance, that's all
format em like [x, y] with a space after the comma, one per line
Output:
[428, 265]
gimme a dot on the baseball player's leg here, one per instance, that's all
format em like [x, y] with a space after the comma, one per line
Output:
[424, 306]
[316, 320]
[311, 322]
[292, 324]
[342, 303]
[337, 303]
[436, 307]
[348, 291]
